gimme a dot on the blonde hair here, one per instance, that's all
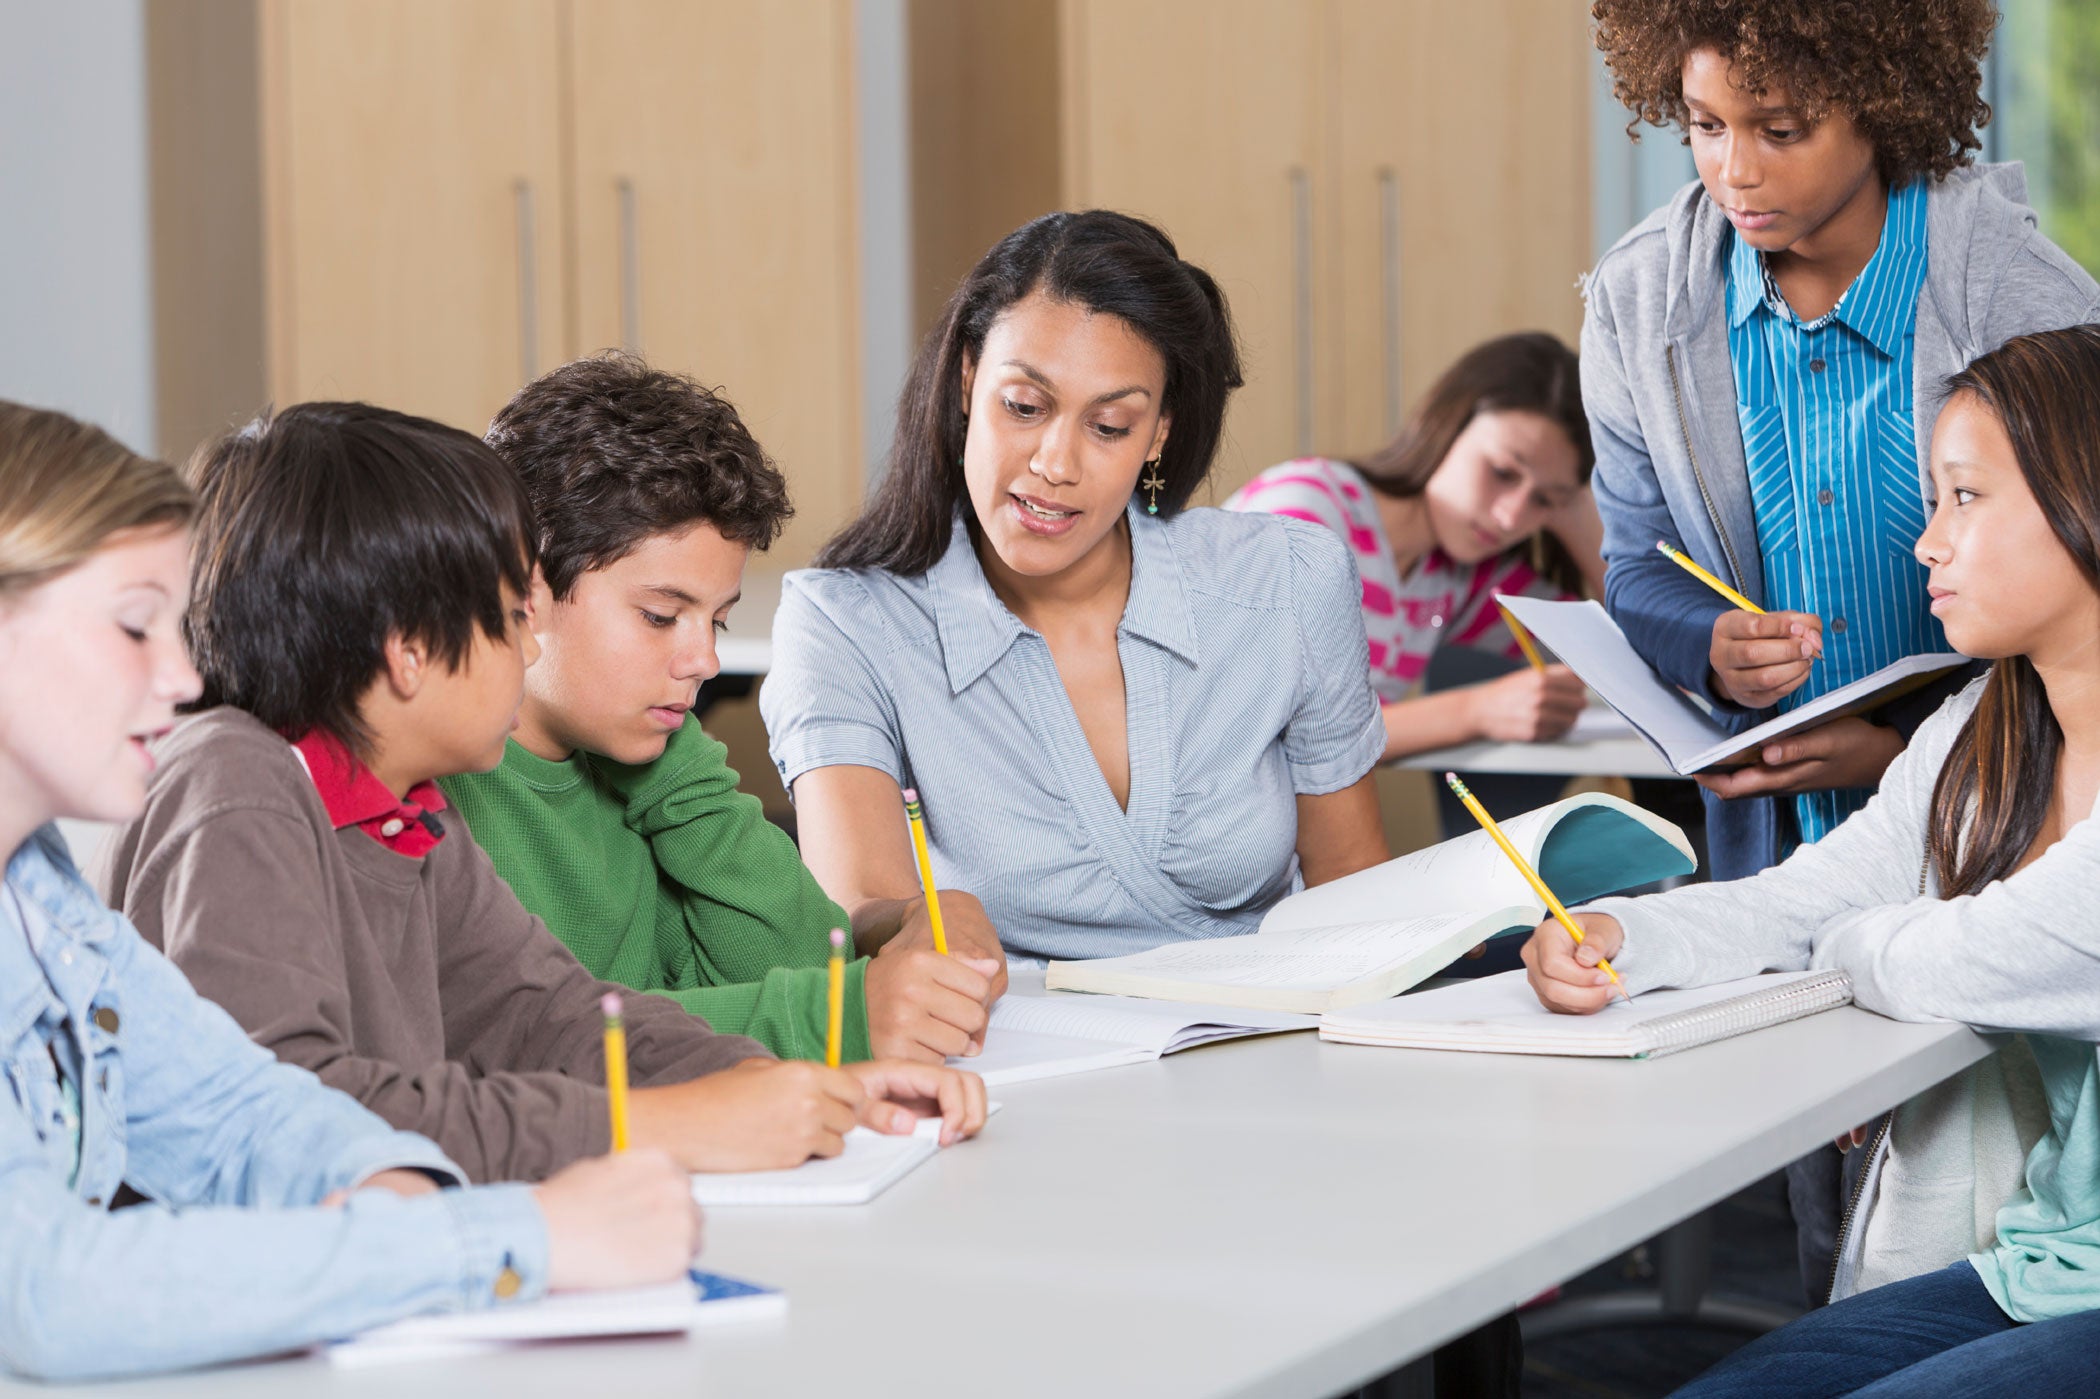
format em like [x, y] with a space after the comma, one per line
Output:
[66, 487]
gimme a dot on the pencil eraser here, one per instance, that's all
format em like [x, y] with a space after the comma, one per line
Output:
[610, 1003]
[911, 794]
[838, 939]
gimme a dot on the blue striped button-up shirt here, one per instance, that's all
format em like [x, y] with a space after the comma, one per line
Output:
[1246, 686]
[1825, 407]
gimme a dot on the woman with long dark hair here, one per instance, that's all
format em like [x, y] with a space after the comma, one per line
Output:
[1961, 892]
[1128, 722]
[1485, 491]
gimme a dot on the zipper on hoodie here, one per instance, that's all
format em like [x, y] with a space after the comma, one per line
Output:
[1859, 1187]
[1888, 1121]
[1685, 424]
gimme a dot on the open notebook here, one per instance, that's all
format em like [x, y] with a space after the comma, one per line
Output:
[1690, 739]
[704, 1299]
[1039, 1033]
[871, 1163]
[1501, 1015]
[1379, 931]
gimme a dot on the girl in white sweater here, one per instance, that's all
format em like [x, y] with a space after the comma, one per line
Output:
[1962, 892]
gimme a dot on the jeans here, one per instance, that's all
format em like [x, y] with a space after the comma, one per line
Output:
[1923, 1338]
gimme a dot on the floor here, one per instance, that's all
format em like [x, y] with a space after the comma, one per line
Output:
[1753, 1258]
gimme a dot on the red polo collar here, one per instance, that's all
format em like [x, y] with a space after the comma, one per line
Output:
[354, 797]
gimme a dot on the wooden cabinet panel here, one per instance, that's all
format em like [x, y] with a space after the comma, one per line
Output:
[1202, 118]
[413, 210]
[1460, 168]
[716, 220]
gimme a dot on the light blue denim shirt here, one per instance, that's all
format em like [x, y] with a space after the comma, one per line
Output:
[1246, 682]
[176, 1102]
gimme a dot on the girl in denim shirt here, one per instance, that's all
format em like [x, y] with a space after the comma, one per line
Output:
[278, 1212]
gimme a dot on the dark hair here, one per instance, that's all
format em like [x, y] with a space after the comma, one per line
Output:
[1531, 373]
[328, 528]
[2000, 775]
[1108, 263]
[1909, 74]
[612, 452]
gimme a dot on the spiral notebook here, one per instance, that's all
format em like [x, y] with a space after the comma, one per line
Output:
[1500, 1015]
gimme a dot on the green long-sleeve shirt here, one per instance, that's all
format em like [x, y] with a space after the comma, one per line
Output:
[665, 877]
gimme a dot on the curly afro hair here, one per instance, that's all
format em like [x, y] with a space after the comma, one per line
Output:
[1908, 72]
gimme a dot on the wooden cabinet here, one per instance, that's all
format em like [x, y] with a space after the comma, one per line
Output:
[716, 223]
[1377, 184]
[1204, 118]
[451, 198]
[413, 201]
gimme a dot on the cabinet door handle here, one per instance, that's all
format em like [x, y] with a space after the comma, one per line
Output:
[1302, 299]
[1389, 256]
[630, 270]
[528, 285]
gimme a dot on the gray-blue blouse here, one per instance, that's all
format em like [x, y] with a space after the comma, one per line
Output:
[1247, 685]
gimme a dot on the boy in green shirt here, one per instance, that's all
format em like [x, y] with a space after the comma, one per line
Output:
[613, 815]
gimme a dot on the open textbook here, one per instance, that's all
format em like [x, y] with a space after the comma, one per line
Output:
[703, 1299]
[1039, 1033]
[1677, 726]
[1501, 1015]
[1379, 931]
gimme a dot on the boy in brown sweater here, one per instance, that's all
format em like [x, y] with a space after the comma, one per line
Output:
[359, 620]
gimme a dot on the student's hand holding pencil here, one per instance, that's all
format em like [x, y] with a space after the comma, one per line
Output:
[1564, 975]
[969, 931]
[1527, 706]
[1759, 658]
[923, 1006]
[626, 1220]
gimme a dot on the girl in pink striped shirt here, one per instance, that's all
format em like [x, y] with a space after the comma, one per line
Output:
[1485, 491]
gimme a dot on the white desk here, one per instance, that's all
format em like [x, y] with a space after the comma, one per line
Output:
[1268, 1217]
[1616, 751]
[747, 647]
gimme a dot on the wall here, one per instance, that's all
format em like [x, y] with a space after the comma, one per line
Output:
[76, 326]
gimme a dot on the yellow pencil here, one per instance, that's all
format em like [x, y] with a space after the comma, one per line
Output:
[1524, 641]
[1538, 886]
[836, 1026]
[1684, 561]
[615, 1067]
[918, 845]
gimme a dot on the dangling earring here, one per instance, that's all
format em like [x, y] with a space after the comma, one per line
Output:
[1154, 484]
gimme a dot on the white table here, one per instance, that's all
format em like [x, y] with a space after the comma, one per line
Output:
[1615, 751]
[747, 647]
[1267, 1217]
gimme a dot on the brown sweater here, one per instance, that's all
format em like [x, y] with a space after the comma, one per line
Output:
[421, 987]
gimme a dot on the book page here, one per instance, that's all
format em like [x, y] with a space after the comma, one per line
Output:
[1464, 875]
[1152, 1025]
[1584, 636]
[1311, 959]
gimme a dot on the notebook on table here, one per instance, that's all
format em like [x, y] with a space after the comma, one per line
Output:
[1679, 726]
[871, 1163]
[1039, 1033]
[1501, 1015]
[703, 1299]
[1375, 933]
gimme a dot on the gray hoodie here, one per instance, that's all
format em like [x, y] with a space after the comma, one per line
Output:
[1863, 900]
[1660, 394]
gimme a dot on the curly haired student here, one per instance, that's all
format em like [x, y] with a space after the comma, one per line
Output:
[1761, 366]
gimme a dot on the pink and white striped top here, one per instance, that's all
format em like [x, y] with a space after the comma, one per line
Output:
[1406, 618]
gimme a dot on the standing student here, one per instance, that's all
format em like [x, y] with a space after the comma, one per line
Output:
[1761, 362]
[1960, 892]
[1129, 722]
[1486, 491]
[614, 816]
[279, 1212]
[360, 626]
